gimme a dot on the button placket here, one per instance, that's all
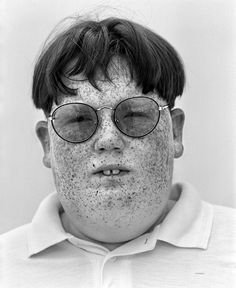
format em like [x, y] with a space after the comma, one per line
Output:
[109, 272]
[114, 258]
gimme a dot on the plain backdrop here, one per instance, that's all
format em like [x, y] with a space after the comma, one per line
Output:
[202, 31]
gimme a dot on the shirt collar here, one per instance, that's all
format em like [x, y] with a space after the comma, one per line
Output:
[46, 228]
[188, 224]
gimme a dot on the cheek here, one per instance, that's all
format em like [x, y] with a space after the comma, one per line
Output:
[158, 154]
[69, 164]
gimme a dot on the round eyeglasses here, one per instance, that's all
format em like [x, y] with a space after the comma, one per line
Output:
[134, 117]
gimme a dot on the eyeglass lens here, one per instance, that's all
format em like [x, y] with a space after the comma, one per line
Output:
[77, 122]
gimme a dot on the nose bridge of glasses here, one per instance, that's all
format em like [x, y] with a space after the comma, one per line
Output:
[108, 115]
[104, 107]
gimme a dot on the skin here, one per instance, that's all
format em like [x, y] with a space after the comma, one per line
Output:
[113, 210]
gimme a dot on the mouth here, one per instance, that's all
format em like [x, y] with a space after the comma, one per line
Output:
[111, 170]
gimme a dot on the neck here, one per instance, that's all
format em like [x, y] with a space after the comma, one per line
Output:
[69, 228]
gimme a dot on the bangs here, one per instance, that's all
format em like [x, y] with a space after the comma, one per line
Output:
[89, 46]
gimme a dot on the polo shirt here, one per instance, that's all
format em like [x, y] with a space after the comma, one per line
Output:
[194, 246]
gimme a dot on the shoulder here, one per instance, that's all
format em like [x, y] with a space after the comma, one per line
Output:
[223, 234]
[224, 209]
[14, 240]
[14, 233]
[224, 218]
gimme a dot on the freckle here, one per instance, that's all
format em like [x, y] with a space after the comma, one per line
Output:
[109, 204]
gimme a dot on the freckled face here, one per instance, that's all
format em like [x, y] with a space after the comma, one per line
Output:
[117, 208]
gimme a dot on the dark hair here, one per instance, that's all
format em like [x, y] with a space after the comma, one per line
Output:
[152, 61]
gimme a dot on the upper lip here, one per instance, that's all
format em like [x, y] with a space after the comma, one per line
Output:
[111, 167]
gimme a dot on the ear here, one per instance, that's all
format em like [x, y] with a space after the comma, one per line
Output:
[43, 135]
[177, 116]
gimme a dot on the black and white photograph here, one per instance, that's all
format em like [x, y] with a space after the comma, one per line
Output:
[118, 144]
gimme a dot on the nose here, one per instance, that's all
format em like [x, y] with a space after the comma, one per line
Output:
[109, 138]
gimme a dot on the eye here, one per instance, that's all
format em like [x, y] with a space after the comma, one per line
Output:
[133, 114]
[78, 119]
[81, 118]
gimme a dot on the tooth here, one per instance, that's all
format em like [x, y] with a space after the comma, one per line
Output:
[115, 171]
[107, 172]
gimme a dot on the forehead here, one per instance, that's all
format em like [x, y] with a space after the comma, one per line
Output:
[110, 92]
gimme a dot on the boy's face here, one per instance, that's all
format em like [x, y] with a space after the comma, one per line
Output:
[120, 207]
